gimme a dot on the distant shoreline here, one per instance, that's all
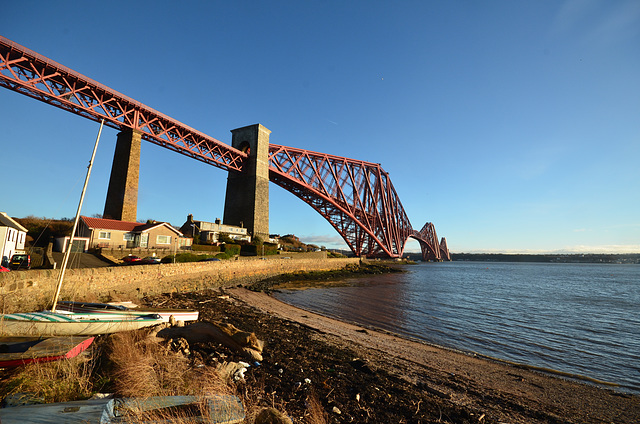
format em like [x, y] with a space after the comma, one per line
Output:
[598, 258]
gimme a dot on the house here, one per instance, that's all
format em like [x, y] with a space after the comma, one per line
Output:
[12, 237]
[274, 239]
[114, 234]
[209, 232]
[80, 244]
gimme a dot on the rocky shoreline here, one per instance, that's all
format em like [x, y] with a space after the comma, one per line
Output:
[362, 375]
[320, 370]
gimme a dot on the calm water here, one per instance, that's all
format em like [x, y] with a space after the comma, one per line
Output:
[581, 319]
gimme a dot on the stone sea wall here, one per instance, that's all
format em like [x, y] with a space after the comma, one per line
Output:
[34, 289]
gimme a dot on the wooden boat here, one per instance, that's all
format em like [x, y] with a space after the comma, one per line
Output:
[47, 324]
[219, 409]
[127, 309]
[17, 351]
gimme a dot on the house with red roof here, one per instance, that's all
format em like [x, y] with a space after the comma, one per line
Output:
[114, 234]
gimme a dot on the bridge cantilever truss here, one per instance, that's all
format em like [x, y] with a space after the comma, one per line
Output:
[431, 249]
[356, 197]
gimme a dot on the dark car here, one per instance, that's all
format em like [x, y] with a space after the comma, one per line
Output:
[20, 261]
[131, 259]
[150, 260]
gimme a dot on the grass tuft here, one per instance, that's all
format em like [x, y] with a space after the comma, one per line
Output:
[143, 367]
[58, 381]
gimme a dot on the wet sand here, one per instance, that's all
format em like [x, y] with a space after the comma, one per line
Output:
[490, 391]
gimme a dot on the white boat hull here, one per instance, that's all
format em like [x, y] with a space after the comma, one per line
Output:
[122, 311]
[43, 324]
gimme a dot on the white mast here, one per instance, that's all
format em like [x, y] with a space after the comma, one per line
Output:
[75, 223]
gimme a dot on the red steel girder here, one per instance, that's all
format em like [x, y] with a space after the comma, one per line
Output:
[356, 197]
[444, 250]
[429, 245]
[38, 77]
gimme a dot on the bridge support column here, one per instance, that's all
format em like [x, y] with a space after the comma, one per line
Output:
[247, 199]
[122, 195]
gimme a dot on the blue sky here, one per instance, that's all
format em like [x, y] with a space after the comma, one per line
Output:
[513, 126]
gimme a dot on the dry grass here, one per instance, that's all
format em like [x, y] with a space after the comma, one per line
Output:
[142, 367]
[135, 365]
[59, 381]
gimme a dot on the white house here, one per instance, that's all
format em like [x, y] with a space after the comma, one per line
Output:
[12, 236]
[209, 232]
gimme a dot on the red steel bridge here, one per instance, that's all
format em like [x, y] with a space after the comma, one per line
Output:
[356, 197]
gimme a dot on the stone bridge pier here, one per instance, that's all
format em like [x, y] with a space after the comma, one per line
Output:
[247, 196]
[247, 200]
[122, 195]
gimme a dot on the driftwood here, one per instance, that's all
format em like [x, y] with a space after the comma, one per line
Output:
[203, 332]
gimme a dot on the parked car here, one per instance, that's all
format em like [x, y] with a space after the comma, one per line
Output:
[20, 261]
[209, 260]
[5, 262]
[149, 260]
[131, 260]
[4, 269]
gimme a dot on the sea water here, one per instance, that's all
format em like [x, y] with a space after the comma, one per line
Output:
[580, 319]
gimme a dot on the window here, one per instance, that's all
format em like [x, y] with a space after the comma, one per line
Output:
[128, 237]
[104, 235]
[163, 239]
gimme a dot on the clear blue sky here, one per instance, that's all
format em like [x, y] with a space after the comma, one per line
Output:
[511, 125]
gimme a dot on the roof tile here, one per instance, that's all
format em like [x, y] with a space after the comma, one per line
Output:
[109, 224]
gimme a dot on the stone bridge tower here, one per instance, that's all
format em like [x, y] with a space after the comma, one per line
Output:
[247, 199]
[122, 195]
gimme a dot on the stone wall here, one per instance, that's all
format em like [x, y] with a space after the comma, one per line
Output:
[34, 289]
[115, 256]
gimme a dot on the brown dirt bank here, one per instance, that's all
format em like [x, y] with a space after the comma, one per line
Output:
[361, 375]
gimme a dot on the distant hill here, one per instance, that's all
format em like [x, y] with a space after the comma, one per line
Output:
[41, 230]
[625, 258]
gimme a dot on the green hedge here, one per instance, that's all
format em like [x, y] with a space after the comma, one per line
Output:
[205, 248]
[231, 249]
[249, 250]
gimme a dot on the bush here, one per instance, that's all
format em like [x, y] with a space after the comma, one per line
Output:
[249, 250]
[231, 249]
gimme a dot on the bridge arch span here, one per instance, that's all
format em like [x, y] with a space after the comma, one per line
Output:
[356, 197]
[431, 249]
